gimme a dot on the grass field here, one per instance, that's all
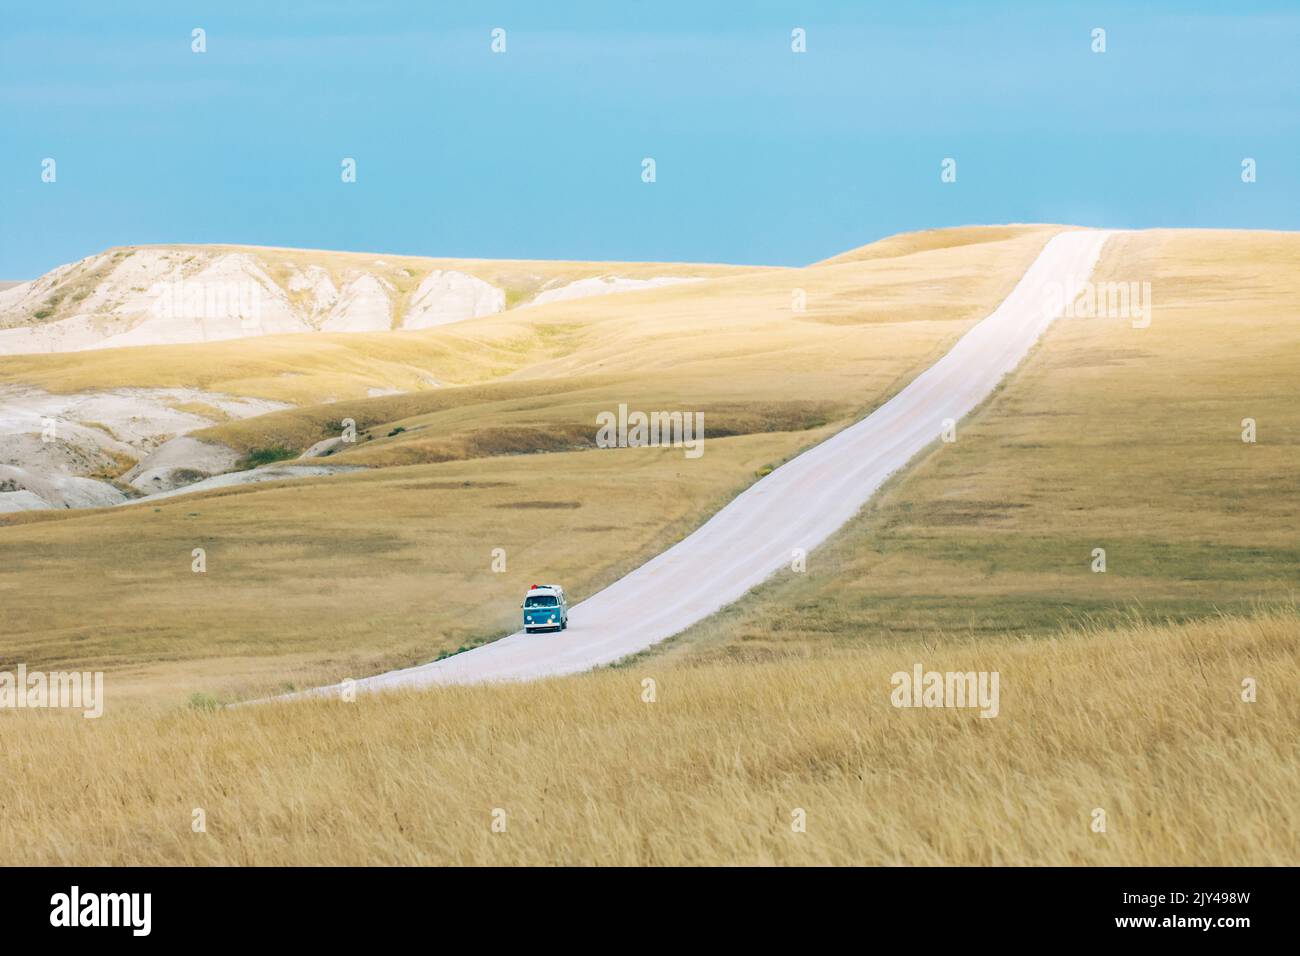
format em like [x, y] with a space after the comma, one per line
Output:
[1145, 724]
[1120, 691]
[738, 322]
[1114, 437]
[340, 577]
[307, 582]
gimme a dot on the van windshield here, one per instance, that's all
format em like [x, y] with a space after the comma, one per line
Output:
[540, 600]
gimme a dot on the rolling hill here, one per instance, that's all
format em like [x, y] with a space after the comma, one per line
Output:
[505, 460]
[1122, 690]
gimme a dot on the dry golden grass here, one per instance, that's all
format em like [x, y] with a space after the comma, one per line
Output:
[521, 416]
[737, 323]
[910, 243]
[301, 369]
[322, 579]
[730, 347]
[311, 581]
[1135, 440]
[1127, 439]
[1146, 723]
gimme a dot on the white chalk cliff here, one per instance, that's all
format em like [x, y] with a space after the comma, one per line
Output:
[175, 295]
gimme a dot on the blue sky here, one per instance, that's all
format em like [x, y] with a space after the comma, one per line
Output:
[762, 155]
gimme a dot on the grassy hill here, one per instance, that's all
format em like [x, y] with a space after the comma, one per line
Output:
[321, 579]
[742, 323]
[1120, 691]
[1114, 437]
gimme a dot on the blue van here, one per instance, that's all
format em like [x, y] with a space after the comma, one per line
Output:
[545, 608]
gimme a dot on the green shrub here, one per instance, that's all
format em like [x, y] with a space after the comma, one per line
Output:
[264, 456]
